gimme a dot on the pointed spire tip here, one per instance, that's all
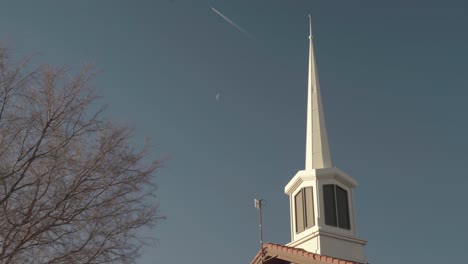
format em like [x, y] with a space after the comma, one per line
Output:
[310, 26]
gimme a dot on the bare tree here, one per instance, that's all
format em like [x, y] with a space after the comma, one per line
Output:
[72, 188]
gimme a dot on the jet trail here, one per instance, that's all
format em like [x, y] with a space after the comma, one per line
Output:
[245, 32]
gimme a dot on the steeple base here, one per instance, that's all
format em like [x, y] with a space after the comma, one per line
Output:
[329, 244]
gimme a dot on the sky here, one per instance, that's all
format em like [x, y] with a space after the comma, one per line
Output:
[226, 103]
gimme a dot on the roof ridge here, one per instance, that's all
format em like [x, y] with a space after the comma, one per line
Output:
[304, 253]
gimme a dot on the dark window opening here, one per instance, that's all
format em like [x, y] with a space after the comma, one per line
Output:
[336, 206]
[304, 208]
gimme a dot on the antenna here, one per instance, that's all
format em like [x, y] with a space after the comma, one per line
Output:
[258, 205]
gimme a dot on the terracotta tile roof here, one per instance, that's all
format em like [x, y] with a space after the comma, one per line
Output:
[275, 253]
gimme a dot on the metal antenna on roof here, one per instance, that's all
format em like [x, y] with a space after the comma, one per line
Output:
[258, 205]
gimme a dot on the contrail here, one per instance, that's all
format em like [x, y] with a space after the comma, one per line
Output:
[233, 24]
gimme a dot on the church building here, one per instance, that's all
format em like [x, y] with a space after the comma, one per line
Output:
[321, 200]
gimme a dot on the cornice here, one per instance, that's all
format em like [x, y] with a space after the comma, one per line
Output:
[319, 174]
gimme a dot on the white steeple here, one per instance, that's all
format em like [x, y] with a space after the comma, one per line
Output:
[321, 196]
[317, 149]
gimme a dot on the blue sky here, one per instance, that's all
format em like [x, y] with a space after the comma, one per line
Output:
[394, 84]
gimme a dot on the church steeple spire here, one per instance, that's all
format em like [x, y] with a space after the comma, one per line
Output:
[317, 149]
[321, 196]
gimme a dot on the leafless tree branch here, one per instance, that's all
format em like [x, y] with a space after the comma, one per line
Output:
[72, 188]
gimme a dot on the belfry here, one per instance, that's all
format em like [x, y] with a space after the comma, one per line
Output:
[321, 196]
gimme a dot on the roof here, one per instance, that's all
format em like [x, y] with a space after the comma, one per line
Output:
[279, 254]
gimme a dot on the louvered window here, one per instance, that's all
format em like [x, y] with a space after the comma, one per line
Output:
[336, 206]
[304, 207]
